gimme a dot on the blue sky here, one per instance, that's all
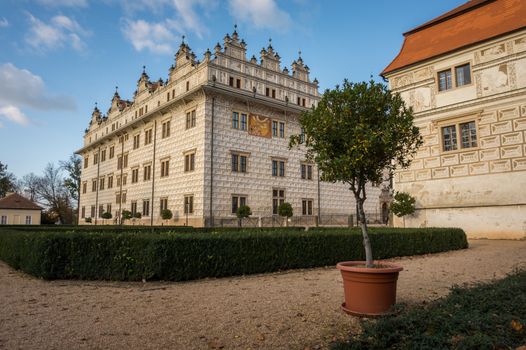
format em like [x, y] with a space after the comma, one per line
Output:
[59, 57]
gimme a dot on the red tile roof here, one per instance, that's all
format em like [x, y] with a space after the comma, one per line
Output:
[468, 24]
[16, 201]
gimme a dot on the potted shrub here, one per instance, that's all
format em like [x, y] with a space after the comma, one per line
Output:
[403, 204]
[166, 214]
[358, 133]
[126, 215]
[87, 220]
[106, 216]
[285, 210]
[243, 212]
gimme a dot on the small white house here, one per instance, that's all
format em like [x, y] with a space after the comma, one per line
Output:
[18, 210]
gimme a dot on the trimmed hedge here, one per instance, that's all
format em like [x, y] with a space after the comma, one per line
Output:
[487, 316]
[175, 256]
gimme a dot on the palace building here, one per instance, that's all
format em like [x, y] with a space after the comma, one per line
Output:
[211, 137]
[464, 75]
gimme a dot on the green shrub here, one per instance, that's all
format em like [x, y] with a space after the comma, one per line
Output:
[403, 204]
[107, 215]
[166, 214]
[137, 215]
[243, 212]
[285, 209]
[136, 254]
[488, 316]
[88, 220]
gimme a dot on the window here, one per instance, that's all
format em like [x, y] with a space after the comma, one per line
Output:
[238, 83]
[267, 92]
[166, 129]
[136, 141]
[133, 208]
[189, 162]
[444, 80]
[303, 102]
[463, 75]
[86, 162]
[306, 171]
[278, 198]
[273, 93]
[231, 81]
[92, 211]
[299, 101]
[244, 122]
[190, 119]
[278, 168]
[124, 178]
[146, 207]
[165, 167]
[84, 187]
[147, 172]
[163, 204]
[135, 175]
[468, 136]
[275, 128]
[168, 96]
[238, 201]
[282, 129]
[147, 137]
[94, 186]
[235, 120]
[108, 208]
[118, 198]
[112, 151]
[187, 85]
[306, 207]
[125, 160]
[239, 163]
[119, 162]
[302, 135]
[119, 182]
[4, 220]
[83, 212]
[189, 204]
[101, 183]
[95, 158]
[103, 155]
[28, 219]
[123, 197]
[101, 210]
[110, 181]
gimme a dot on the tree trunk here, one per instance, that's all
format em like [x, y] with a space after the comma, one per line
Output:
[366, 241]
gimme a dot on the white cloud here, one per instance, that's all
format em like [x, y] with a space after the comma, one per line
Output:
[3, 22]
[260, 13]
[19, 88]
[65, 3]
[160, 37]
[14, 114]
[155, 37]
[59, 32]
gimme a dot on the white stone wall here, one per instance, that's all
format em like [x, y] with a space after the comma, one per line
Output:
[480, 189]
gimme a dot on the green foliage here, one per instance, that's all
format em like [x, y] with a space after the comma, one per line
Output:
[488, 316]
[183, 254]
[88, 220]
[356, 134]
[357, 131]
[285, 209]
[403, 204]
[126, 214]
[7, 181]
[166, 214]
[243, 212]
[137, 215]
[107, 215]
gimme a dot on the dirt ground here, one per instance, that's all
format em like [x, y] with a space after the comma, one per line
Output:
[290, 310]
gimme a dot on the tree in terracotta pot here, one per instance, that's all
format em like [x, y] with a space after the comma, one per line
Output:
[243, 212]
[285, 210]
[358, 133]
[403, 204]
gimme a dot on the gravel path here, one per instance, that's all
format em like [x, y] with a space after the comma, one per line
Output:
[290, 310]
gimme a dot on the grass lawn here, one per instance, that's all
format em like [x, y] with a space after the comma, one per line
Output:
[487, 316]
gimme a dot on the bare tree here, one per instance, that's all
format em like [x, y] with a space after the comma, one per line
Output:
[73, 168]
[53, 194]
[28, 186]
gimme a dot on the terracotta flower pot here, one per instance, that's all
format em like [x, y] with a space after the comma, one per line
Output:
[368, 291]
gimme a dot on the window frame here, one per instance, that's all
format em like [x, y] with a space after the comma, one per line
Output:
[238, 201]
[453, 69]
[188, 209]
[456, 121]
[189, 160]
[278, 198]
